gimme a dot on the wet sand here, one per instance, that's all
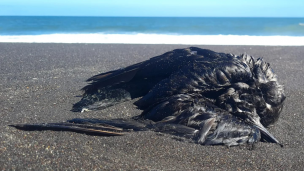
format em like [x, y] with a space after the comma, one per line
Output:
[40, 83]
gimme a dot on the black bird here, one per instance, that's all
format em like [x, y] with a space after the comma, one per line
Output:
[209, 97]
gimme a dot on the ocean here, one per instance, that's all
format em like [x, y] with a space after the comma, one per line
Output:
[153, 30]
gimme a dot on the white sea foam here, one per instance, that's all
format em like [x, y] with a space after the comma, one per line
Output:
[158, 39]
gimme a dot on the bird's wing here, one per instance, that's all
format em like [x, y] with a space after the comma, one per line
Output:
[202, 122]
[105, 130]
[88, 126]
[158, 67]
[185, 115]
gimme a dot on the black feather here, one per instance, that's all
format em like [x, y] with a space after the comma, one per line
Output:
[211, 98]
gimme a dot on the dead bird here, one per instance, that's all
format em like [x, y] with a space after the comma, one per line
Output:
[211, 98]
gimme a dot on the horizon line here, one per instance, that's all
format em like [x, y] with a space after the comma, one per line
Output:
[149, 16]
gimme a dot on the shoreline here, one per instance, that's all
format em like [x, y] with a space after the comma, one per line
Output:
[39, 82]
[274, 40]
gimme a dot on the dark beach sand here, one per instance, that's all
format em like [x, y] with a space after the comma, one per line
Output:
[41, 82]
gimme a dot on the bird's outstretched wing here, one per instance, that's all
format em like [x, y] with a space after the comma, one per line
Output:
[89, 126]
[96, 129]
[182, 115]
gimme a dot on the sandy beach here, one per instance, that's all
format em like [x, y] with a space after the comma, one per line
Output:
[40, 83]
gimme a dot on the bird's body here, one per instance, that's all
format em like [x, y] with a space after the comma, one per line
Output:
[212, 98]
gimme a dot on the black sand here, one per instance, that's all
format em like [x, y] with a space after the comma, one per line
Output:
[40, 82]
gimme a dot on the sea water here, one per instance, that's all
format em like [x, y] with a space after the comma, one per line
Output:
[153, 30]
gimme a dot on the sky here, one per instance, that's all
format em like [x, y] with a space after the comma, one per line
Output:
[154, 8]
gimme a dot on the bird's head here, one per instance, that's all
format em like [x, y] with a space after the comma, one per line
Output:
[267, 95]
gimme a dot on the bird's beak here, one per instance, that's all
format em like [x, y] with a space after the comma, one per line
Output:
[265, 133]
